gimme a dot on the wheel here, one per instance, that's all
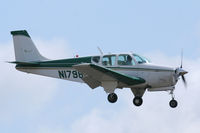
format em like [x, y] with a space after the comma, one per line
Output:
[112, 97]
[173, 103]
[137, 101]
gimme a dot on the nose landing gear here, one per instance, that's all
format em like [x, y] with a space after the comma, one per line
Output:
[173, 103]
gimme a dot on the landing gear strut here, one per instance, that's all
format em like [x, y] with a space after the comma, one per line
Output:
[112, 97]
[173, 103]
[137, 101]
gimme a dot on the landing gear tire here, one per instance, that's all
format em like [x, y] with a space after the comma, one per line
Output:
[112, 97]
[137, 101]
[173, 103]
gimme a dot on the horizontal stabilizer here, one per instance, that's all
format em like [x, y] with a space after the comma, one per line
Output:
[24, 63]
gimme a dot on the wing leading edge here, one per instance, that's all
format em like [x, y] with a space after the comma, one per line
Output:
[94, 75]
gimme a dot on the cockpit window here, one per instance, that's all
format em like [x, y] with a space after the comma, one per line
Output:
[140, 59]
[96, 59]
[125, 60]
[109, 60]
[146, 59]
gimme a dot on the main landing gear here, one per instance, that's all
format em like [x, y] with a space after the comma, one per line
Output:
[138, 93]
[137, 101]
[112, 97]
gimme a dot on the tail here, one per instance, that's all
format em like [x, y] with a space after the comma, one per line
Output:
[25, 50]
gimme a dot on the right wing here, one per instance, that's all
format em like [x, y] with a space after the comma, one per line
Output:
[94, 75]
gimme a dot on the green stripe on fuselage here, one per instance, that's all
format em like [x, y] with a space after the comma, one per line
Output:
[139, 69]
[74, 61]
[58, 63]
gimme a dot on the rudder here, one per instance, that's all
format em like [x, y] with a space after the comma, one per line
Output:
[25, 49]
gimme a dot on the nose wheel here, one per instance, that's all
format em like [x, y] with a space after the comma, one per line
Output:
[137, 101]
[112, 97]
[173, 103]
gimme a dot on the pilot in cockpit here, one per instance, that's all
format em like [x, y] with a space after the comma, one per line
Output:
[129, 60]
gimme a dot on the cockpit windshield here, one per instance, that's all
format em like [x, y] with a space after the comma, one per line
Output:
[140, 59]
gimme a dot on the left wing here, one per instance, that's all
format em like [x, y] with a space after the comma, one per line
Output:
[94, 75]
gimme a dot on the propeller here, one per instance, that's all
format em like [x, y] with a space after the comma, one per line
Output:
[181, 58]
[184, 81]
[181, 72]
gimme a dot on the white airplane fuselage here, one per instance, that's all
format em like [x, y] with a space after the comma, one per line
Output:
[158, 78]
[109, 71]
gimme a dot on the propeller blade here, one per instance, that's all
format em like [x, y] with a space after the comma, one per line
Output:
[184, 81]
[181, 58]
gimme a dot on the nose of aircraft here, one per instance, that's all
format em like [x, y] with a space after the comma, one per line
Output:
[181, 71]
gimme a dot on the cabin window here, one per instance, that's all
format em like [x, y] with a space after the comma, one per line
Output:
[125, 60]
[139, 59]
[109, 60]
[96, 59]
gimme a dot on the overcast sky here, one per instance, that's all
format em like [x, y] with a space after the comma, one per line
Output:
[62, 28]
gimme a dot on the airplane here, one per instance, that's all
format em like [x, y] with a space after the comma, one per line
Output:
[110, 71]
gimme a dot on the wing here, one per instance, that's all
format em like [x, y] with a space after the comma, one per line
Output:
[94, 75]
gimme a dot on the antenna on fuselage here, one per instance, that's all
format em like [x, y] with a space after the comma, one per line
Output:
[100, 50]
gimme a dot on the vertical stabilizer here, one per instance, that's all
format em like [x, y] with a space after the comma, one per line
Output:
[25, 50]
